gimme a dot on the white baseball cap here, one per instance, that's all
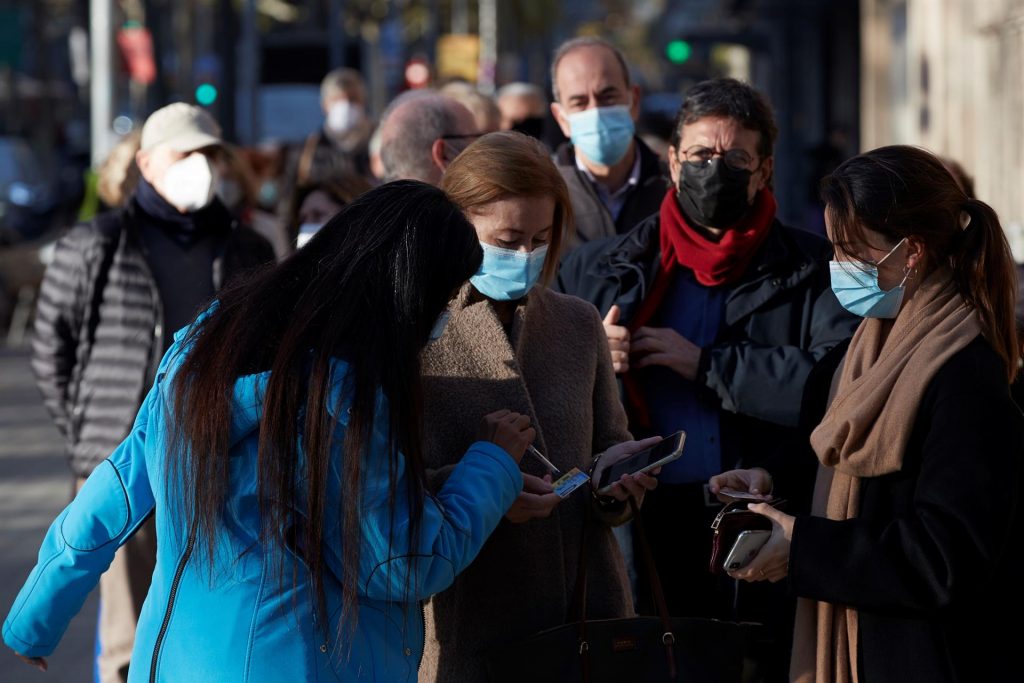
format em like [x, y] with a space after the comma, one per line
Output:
[184, 127]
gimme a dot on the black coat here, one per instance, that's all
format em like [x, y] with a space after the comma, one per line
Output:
[592, 219]
[99, 327]
[929, 562]
[779, 319]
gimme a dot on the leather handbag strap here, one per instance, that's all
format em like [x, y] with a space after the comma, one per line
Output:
[579, 600]
[667, 637]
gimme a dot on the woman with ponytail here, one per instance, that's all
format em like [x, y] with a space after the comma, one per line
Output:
[280, 451]
[903, 568]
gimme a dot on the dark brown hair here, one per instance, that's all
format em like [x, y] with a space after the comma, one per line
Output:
[898, 192]
[510, 164]
[731, 99]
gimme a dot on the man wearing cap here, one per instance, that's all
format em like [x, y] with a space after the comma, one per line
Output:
[115, 292]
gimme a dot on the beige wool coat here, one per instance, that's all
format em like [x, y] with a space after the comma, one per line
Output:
[554, 366]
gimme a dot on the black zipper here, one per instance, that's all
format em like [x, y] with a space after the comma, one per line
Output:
[170, 602]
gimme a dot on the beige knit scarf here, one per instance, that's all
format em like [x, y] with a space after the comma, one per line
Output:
[865, 433]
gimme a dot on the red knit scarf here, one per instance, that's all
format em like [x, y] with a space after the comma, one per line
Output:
[714, 263]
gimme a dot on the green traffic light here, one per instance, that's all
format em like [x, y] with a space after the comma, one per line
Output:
[206, 94]
[678, 51]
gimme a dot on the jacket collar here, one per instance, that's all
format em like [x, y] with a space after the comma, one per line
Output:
[779, 265]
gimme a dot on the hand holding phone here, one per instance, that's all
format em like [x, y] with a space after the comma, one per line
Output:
[655, 456]
[747, 544]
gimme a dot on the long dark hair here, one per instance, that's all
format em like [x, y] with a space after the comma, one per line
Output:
[367, 288]
[901, 191]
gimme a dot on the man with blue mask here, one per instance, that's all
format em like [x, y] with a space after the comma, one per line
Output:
[614, 179]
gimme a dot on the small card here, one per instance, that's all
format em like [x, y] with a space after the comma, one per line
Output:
[570, 481]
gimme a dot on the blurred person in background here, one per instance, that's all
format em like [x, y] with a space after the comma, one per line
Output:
[340, 146]
[614, 179]
[485, 112]
[510, 341]
[239, 189]
[523, 108]
[314, 204]
[116, 290]
[421, 133]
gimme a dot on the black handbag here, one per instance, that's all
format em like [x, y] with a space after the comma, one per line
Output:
[640, 648]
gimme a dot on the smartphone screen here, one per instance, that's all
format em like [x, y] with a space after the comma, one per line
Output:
[665, 448]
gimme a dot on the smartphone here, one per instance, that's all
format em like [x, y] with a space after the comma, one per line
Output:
[666, 450]
[745, 548]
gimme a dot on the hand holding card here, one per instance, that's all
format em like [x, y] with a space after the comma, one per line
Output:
[570, 481]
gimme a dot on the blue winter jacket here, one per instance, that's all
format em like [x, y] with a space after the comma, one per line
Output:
[240, 621]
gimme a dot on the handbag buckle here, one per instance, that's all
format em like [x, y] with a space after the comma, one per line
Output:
[584, 647]
[668, 638]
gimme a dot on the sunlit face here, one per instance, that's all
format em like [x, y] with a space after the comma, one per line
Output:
[591, 77]
[892, 260]
[516, 223]
[318, 207]
[721, 134]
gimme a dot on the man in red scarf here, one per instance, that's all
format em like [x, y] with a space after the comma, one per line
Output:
[715, 314]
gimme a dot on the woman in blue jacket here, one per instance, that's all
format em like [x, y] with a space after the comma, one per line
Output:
[280, 451]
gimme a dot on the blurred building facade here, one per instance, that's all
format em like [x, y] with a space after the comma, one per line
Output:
[948, 75]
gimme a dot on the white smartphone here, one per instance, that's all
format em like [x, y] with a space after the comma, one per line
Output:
[665, 451]
[747, 544]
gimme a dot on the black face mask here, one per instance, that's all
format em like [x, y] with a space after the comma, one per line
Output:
[715, 195]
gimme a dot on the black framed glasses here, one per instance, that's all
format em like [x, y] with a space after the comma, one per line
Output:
[736, 159]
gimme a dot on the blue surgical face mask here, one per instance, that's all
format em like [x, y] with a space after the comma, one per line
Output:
[439, 325]
[506, 274]
[603, 134]
[856, 287]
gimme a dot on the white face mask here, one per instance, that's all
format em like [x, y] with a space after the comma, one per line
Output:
[343, 115]
[188, 184]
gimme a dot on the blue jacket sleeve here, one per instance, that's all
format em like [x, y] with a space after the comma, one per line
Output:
[80, 544]
[453, 525]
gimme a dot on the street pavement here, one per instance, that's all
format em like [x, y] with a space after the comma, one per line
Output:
[35, 485]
